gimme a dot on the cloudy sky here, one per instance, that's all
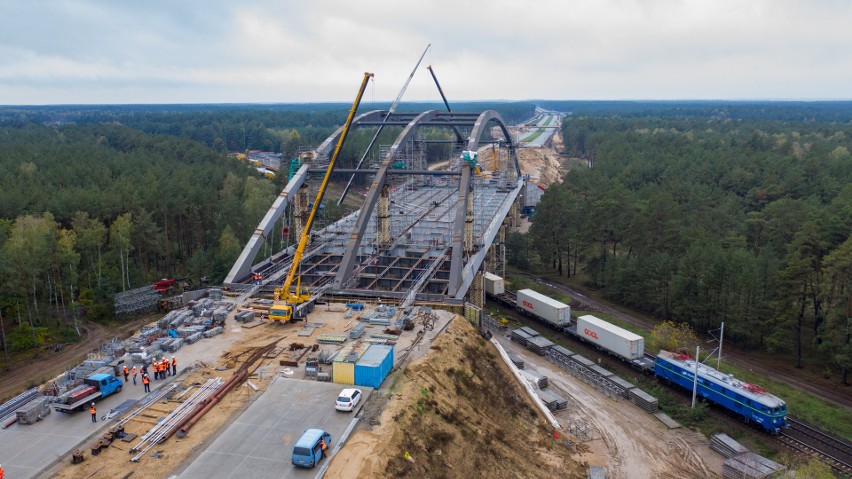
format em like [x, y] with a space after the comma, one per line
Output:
[219, 51]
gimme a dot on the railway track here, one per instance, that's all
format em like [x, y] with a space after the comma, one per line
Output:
[809, 440]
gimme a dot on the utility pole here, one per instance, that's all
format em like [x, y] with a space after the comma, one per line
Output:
[721, 339]
[695, 376]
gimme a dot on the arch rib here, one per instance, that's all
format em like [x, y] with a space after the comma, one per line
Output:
[347, 264]
[457, 258]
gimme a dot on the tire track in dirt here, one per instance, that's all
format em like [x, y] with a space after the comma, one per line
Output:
[633, 443]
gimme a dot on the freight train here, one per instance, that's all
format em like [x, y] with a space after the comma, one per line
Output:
[747, 401]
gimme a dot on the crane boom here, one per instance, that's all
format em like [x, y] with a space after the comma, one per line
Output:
[283, 292]
[379, 131]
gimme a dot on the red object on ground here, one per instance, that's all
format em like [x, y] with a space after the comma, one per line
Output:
[163, 285]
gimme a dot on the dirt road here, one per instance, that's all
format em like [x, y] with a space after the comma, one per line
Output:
[802, 381]
[629, 442]
[26, 374]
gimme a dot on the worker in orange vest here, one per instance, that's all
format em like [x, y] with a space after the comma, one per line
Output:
[165, 365]
[1, 471]
[133, 374]
[94, 412]
[126, 373]
[174, 366]
[324, 446]
[154, 367]
[146, 383]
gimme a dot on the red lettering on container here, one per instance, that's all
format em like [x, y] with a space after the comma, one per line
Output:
[527, 304]
[589, 332]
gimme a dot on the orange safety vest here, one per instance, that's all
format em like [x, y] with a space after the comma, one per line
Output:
[322, 443]
[133, 371]
[144, 379]
[174, 362]
[92, 410]
[126, 371]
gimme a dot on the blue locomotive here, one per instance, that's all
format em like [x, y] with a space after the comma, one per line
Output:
[749, 401]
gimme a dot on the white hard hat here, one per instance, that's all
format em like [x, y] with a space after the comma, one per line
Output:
[93, 404]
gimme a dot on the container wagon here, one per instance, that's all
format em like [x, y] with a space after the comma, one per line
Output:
[555, 312]
[608, 336]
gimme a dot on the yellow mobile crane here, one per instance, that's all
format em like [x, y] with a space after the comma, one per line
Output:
[286, 303]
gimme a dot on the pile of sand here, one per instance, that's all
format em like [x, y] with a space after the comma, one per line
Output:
[542, 164]
[457, 412]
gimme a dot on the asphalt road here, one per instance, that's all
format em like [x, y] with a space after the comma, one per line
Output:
[539, 141]
[261, 440]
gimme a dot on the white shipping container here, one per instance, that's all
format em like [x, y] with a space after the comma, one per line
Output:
[493, 284]
[553, 311]
[610, 337]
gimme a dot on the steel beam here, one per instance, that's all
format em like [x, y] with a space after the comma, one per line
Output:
[457, 257]
[361, 120]
[242, 267]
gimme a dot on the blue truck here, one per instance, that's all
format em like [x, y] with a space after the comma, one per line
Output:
[94, 387]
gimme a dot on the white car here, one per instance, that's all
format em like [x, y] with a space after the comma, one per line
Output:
[348, 399]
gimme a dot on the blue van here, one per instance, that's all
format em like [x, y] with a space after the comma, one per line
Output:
[308, 450]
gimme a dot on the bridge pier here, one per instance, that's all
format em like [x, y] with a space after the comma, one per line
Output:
[383, 236]
[476, 293]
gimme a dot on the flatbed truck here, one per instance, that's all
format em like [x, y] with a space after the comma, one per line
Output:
[104, 384]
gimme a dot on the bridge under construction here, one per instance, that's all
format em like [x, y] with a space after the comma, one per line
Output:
[422, 235]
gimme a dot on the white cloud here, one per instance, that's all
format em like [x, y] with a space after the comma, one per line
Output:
[268, 51]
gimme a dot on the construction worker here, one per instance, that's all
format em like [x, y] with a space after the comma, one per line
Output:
[146, 383]
[1, 471]
[126, 373]
[324, 446]
[133, 374]
[94, 412]
[174, 366]
[154, 367]
[165, 365]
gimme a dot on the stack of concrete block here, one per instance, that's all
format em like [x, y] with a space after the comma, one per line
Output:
[33, 411]
[219, 314]
[215, 294]
[213, 332]
[9, 407]
[357, 331]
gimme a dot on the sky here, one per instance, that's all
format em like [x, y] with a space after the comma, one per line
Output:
[255, 51]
